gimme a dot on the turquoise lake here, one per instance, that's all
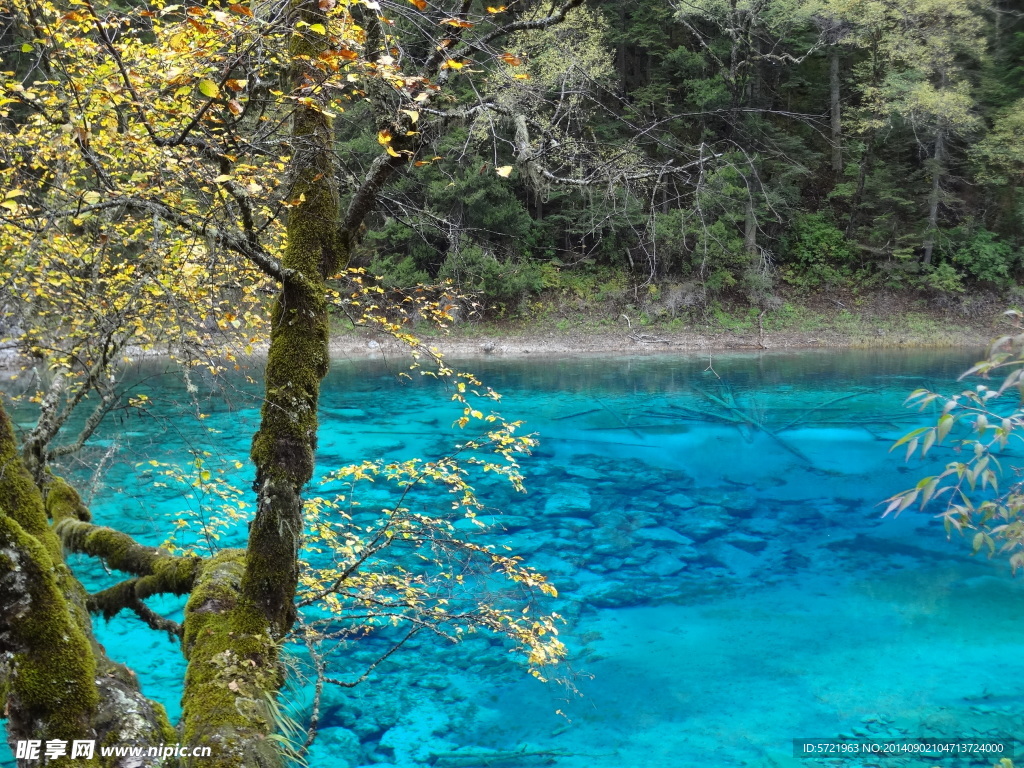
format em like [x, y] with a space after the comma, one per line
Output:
[716, 539]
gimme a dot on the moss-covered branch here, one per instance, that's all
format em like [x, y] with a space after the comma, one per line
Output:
[167, 573]
[63, 501]
[154, 620]
[232, 670]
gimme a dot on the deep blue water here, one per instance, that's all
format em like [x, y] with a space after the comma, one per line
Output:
[727, 588]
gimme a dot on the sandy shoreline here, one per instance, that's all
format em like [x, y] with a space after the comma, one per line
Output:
[570, 343]
[488, 341]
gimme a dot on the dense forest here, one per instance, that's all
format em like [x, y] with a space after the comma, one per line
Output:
[831, 144]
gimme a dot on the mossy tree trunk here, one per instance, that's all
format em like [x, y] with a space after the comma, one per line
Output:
[243, 606]
[56, 681]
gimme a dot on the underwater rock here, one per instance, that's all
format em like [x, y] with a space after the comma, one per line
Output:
[739, 562]
[662, 534]
[766, 527]
[343, 413]
[739, 504]
[468, 525]
[527, 545]
[703, 523]
[615, 595]
[752, 544]
[414, 741]
[609, 518]
[337, 747]
[664, 564]
[680, 500]
[569, 500]
[551, 565]
[432, 682]
[584, 473]
[611, 541]
[575, 524]
[506, 522]
[366, 729]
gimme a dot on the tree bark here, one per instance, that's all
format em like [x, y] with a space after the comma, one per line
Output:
[934, 197]
[244, 602]
[750, 236]
[56, 681]
[836, 117]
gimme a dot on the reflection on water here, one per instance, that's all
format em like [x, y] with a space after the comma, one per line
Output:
[715, 537]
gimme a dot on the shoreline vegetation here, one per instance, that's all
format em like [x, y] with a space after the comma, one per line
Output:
[886, 321]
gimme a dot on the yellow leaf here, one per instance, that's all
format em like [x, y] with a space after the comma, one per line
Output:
[453, 64]
[209, 89]
[222, 178]
[91, 198]
[492, 9]
[421, 4]
[504, 171]
[318, 28]
[413, 114]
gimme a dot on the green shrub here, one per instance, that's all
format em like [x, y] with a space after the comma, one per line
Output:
[816, 253]
[397, 273]
[475, 270]
[944, 278]
[983, 257]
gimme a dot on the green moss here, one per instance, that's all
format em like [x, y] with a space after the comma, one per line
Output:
[160, 571]
[233, 668]
[168, 734]
[51, 691]
[19, 497]
[63, 501]
[284, 448]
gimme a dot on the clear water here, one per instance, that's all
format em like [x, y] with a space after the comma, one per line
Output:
[789, 610]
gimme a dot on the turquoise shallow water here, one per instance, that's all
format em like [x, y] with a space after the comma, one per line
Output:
[727, 589]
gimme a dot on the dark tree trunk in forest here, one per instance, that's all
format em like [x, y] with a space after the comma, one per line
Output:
[835, 114]
[750, 236]
[858, 192]
[934, 197]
